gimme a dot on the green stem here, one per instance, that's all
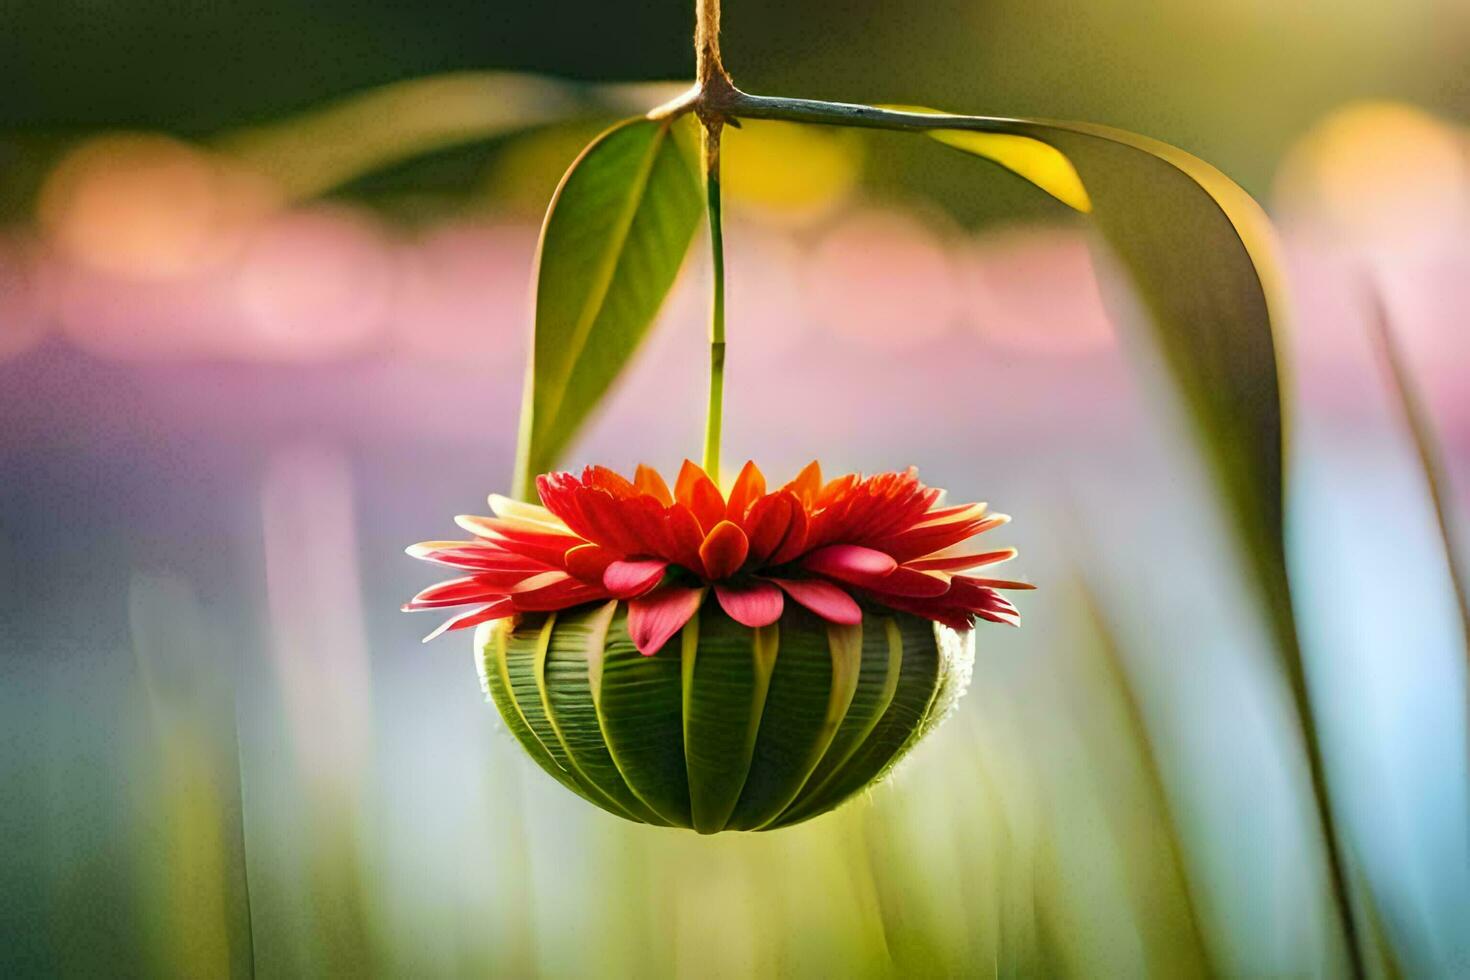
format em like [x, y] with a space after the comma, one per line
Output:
[715, 415]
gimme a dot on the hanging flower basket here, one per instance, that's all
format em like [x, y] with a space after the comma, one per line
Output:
[821, 629]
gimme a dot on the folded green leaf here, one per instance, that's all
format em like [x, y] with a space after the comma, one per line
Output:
[1199, 253]
[613, 241]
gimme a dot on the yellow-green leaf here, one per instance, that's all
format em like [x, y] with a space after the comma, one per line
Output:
[1035, 160]
[1199, 253]
[614, 238]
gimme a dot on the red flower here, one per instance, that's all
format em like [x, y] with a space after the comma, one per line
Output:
[880, 539]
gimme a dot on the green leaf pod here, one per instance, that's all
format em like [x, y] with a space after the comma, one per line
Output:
[727, 727]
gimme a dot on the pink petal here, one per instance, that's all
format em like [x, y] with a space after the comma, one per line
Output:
[458, 591]
[659, 615]
[824, 599]
[955, 563]
[472, 617]
[626, 579]
[472, 555]
[903, 581]
[849, 559]
[1002, 583]
[754, 605]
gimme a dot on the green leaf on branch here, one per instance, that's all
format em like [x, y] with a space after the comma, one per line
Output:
[1032, 159]
[614, 238]
[1200, 254]
[1198, 251]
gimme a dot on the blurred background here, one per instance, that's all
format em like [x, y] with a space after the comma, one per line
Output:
[263, 283]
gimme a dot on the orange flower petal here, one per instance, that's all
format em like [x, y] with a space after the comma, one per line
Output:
[695, 490]
[807, 485]
[766, 523]
[749, 487]
[588, 561]
[724, 550]
[546, 546]
[607, 522]
[647, 480]
[684, 536]
[795, 542]
[837, 489]
[613, 483]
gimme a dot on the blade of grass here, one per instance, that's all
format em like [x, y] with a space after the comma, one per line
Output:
[1431, 463]
[1421, 430]
[1160, 803]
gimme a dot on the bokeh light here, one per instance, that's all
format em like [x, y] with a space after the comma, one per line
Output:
[1378, 176]
[22, 314]
[312, 283]
[464, 295]
[181, 318]
[146, 206]
[884, 279]
[1033, 289]
[789, 174]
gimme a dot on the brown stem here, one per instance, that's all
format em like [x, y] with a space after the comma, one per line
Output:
[708, 68]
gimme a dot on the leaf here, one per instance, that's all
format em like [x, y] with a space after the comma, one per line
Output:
[1192, 957]
[725, 681]
[613, 241]
[882, 662]
[921, 673]
[1200, 254]
[566, 696]
[492, 641]
[311, 153]
[1411, 408]
[522, 663]
[1033, 159]
[810, 691]
[639, 704]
